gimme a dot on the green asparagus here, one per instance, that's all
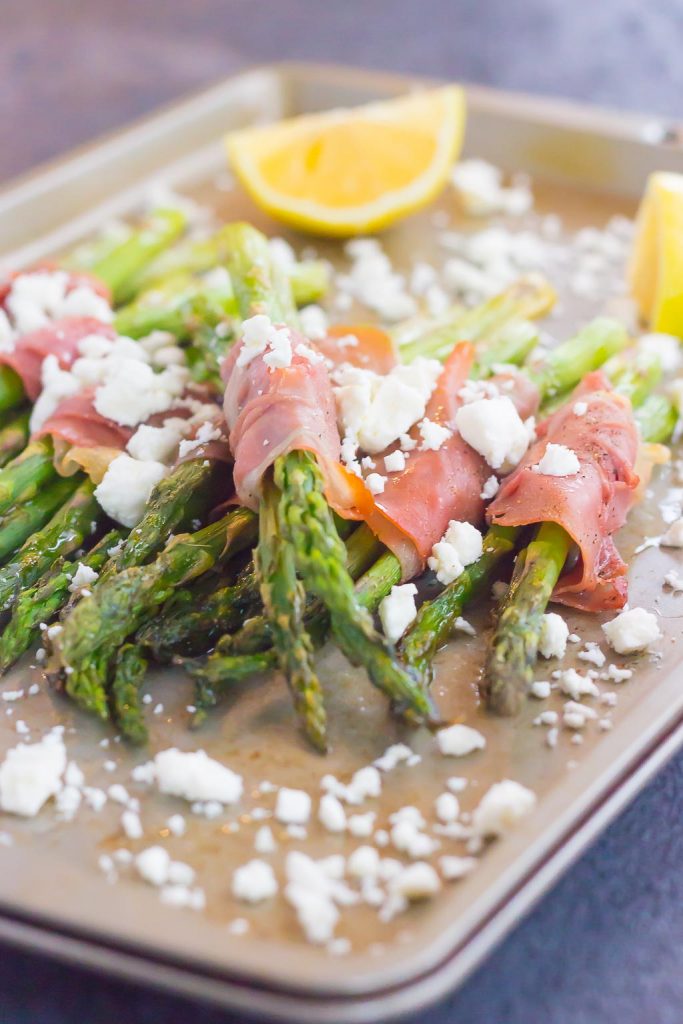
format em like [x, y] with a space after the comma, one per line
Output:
[13, 437]
[41, 602]
[32, 515]
[128, 676]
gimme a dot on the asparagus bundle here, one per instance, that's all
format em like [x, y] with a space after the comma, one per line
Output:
[514, 645]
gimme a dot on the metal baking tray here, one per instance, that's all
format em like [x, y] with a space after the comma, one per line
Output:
[586, 166]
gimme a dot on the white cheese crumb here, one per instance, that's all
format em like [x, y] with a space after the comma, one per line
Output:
[196, 776]
[580, 408]
[264, 841]
[254, 882]
[393, 756]
[460, 546]
[154, 444]
[30, 774]
[459, 740]
[493, 427]
[131, 824]
[666, 347]
[502, 807]
[126, 486]
[490, 488]
[397, 610]
[416, 882]
[447, 807]
[433, 435]
[558, 460]
[363, 862]
[554, 634]
[361, 825]
[313, 320]
[673, 538]
[592, 654]
[293, 806]
[577, 686]
[153, 865]
[83, 577]
[452, 867]
[479, 184]
[632, 630]
[375, 483]
[395, 462]
[331, 813]
[176, 824]
[540, 689]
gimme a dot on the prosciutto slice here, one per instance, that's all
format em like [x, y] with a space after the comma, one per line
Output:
[413, 511]
[590, 505]
[361, 345]
[60, 338]
[273, 411]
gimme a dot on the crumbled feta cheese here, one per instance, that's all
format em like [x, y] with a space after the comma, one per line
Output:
[480, 187]
[674, 580]
[632, 630]
[126, 486]
[395, 462]
[557, 460]
[264, 841]
[375, 483]
[56, 385]
[131, 824]
[393, 756]
[363, 862]
[447, 807]
[293, 806]
[176, 824]
[30, 774]
[331, 813]
[415, 882]
[373, 281]
[433, 435]
[553, 638]
[580, 408]
[490, 488]
[459, 740]
[194, 775]
[153, 865]
[673, 538]
[132, 391]
[361, 825]
[452, 867]
[493, 427]
[254, 882]
[540, 689]
[397, 610]
[155, 444]
[502, 807]
[460, 546]
[377, 409]
[592, 654]
[313, 320]
[83, 577]
[577, 686]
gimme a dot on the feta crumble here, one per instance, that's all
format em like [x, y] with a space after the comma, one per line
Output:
[194, 775]
[553, 638]
[632, 630]
[293, 806]
[126, 487]
[460, 546]
[395, 462]
[673, 538]
[502, 807]
[30, 774]
[557, 460]
[397, 610]
[494, 428]
[254, 882]
[459, 740]
[83, 577]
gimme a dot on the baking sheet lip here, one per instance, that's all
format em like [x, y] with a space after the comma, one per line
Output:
[624, 124]
[362, 1007]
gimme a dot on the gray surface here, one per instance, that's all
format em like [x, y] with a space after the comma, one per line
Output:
[606, 944]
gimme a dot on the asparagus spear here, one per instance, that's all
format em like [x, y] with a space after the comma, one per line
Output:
[184, 495]
[11, 389]
[99, 624]
[514, 646]
[121, 266]
[32, 515]
[23, 477]
[42, 601]
[64, 533]
[13, 437]
[129, 674]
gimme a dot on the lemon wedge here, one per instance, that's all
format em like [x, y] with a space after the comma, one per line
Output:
[656, 270]
[344, 172]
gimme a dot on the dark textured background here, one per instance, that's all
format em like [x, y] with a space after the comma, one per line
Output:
[607, 944]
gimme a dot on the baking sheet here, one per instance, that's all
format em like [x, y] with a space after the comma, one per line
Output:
[586, 167]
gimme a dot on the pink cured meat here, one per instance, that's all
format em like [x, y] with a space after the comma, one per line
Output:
[60, 338]
[413, 511]
[77, 422]
[271, 412]
[592, 504]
